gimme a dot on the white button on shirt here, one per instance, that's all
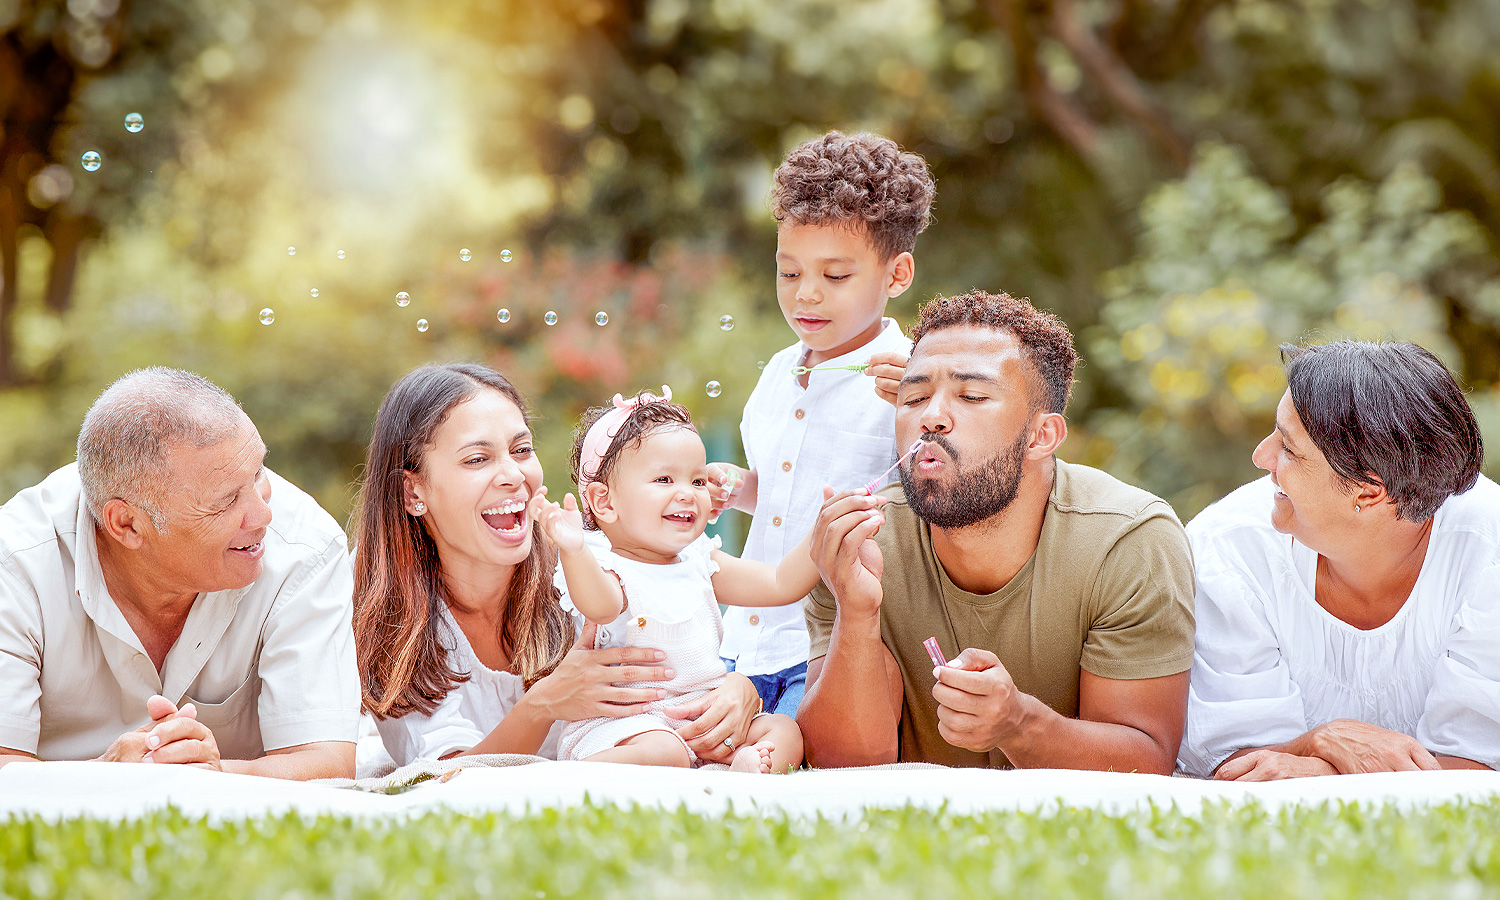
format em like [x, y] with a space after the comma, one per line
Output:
[836, 432]
[1271, 664]
[268, 666]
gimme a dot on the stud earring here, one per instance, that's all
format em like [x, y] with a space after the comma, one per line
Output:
[419, 507]
[1356, 507]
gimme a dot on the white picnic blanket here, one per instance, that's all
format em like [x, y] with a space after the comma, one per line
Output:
[58, 790]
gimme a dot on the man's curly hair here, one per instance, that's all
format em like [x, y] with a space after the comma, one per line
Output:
[650, 416]
[1046, 341]
[856, 179]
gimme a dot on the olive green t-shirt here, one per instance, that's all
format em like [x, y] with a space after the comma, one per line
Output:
[1109, 589]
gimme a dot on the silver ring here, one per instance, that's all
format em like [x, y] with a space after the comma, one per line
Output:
[729, 742]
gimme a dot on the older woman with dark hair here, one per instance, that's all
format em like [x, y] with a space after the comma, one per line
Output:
[1348, 608]
[462, 645]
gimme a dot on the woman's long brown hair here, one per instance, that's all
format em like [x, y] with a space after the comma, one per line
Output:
[398, 584]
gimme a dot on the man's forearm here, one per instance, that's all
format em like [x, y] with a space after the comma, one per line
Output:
[1047, 740]
[328, 759]
[848, 717]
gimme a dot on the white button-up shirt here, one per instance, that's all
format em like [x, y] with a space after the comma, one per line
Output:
[836, 432]
[268, 666]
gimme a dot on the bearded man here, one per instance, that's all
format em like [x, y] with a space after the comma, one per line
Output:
[1069, 592]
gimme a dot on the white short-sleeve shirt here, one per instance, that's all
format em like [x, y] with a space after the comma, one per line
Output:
[470, 711]
[835, 432]
[268, 666]
[1271, 664]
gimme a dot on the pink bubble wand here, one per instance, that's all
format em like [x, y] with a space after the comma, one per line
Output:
[873, 484]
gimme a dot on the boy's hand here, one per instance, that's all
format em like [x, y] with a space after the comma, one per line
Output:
[563, 525]
[887, 368]
[729, 481]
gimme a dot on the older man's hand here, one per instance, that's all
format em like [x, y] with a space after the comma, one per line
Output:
[848, 560]
[979, 705]
[172, 736]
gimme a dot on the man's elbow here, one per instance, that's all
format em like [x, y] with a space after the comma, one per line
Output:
[840, 749]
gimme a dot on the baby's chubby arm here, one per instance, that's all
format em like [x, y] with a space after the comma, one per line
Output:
[744, 582]
[595, 592]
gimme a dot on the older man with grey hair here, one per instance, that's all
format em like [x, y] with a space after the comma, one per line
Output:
[169, 599]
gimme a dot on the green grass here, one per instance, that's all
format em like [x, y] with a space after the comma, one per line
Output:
[605, 852]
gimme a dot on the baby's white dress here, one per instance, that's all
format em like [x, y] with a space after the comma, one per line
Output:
[669, 608]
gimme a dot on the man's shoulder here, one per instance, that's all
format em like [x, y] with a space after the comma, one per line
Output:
[41, 515]
[299, 521]
[1084, 491]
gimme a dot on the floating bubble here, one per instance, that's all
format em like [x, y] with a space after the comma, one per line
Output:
[550, 318]
[465, 255]
[92, 161]
[726, 323]
[340, 254]
[315, 292]
[291, 251]
[505, 256]
[601, 318]
[761, 364]
[713, 388]
[402, 298]
[503, 315]
[422, 325]
[134, 122]
[267, 316]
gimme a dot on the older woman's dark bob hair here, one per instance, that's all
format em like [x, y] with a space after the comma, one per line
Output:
[1388, 414]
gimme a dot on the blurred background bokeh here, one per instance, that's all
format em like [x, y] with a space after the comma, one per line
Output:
[1188, 183]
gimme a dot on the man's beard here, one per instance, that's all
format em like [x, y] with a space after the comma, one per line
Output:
[973, 495]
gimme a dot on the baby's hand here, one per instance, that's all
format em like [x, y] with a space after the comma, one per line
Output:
[563, 524]
[729, 481]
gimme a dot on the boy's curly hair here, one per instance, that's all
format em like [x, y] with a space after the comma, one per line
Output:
[864, 178]
[1044, 338]
[649, 416]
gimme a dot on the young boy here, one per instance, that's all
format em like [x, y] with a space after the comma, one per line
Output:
[849, 209]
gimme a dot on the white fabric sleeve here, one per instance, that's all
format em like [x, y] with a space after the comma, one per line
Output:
[309, 675]
[1241, 692]
[415, 736]
[1462, 715]
[20, 666]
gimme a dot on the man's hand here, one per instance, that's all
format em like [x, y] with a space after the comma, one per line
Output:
[1352, 747]
[845, 553]
[1271, 765]
[978, 703]
[172, 735]
[887, 368]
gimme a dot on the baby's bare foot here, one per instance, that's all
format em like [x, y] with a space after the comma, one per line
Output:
[755, 758]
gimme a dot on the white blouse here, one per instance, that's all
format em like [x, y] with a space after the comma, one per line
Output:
[470, 711]
[1271, 664]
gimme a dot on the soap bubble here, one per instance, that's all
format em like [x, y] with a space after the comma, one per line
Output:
[92, 161]
[601, 318]
[291, 251]
[267, 316]
[505, 256]
[503, 315]
[134, 123]
[550, 318]
[465, 255]
[726, 323]
[340, 254]
[402, 298]
[714, 388]
[761, 365]
[315, 292]
[422, 325]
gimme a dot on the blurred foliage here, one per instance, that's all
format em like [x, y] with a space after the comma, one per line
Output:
[1189, 183]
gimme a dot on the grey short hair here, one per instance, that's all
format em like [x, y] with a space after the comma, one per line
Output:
[125, 436]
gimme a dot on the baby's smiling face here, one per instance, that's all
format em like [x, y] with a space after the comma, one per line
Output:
[657, 499]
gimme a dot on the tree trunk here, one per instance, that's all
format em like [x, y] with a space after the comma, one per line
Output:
[10, 223]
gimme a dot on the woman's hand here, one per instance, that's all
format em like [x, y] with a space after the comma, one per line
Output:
[563, 525]
[725, 713]
[1272, 765]
[584, 684]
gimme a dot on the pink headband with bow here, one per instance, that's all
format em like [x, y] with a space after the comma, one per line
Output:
[602, 432]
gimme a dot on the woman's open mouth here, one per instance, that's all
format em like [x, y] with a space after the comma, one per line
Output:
[508, 518]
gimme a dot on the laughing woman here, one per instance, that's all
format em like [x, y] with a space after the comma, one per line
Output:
[1346, 618]
[462, 646]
